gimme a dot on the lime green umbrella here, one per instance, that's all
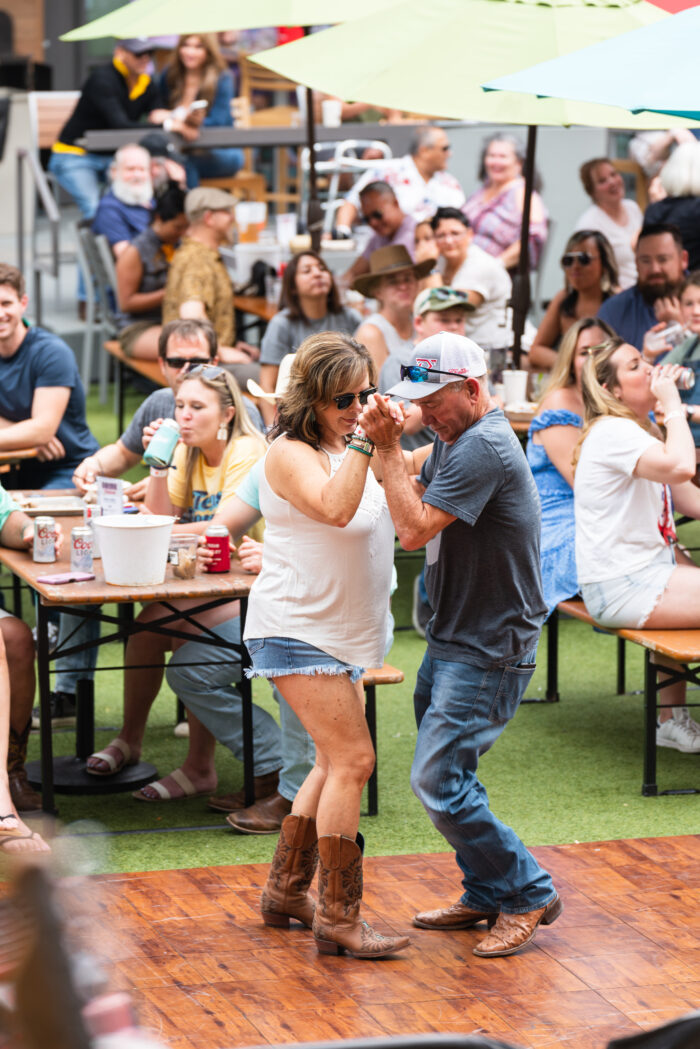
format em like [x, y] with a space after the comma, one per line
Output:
[155, 17]
[433, 57]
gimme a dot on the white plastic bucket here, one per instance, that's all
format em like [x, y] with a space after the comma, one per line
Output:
[134, 548]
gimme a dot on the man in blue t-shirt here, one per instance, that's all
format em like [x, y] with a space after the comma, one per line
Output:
[126, 208]
[654, 301]
[42, 400]
[475, 508]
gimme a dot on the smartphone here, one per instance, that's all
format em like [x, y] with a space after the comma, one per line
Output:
[65, 577]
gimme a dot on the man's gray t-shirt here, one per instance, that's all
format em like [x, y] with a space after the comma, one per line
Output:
[285, 334]
[161, 405]
[158, 405]
[483, 570]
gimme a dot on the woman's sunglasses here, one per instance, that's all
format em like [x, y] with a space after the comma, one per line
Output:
[584, 258]
[207, 371]
[344, 400]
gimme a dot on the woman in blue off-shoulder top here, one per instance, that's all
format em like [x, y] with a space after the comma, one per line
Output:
[553, 435]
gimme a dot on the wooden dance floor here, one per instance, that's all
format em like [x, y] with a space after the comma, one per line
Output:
[205, 973]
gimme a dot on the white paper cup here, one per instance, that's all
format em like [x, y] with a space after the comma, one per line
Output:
[515, 387]
[286, 224]
[331, 112]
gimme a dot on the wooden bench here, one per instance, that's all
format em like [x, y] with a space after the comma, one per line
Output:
[384, 675]
[683, 646]
[149, 369]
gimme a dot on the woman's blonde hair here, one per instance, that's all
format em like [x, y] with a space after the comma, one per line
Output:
[325, 366]
[212, 69]
[598, 379]
[216, 378]
[563, 373]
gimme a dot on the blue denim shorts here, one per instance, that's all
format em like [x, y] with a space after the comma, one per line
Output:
[274, 657]
[629, 600]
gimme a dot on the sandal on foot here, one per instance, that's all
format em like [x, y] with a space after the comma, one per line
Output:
[15, 834]
[181, 779]
[115, 765]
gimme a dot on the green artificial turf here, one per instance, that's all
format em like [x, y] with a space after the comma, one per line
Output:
[560, 773]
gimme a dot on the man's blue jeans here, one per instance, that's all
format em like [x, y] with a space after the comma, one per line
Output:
[208, 691]
[461, 710]
[83, 176]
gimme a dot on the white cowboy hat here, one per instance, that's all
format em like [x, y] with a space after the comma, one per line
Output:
[280, 386]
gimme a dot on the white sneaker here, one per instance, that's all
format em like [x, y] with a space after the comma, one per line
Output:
[679, 732]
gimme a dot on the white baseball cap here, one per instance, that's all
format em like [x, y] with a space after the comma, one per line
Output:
[439, 360]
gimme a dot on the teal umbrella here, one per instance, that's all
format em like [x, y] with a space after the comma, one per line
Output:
[651, 69]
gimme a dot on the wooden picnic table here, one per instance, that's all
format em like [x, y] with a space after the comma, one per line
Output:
[87, 600]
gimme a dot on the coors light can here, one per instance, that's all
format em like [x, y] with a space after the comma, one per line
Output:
[44, 540]
[81, 549]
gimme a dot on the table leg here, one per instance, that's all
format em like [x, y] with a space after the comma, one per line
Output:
[247, 717]
[649, 787]
[16, 596]
[85, 719]
[47, 794]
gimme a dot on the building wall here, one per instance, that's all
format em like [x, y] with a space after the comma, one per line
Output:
[28, 18]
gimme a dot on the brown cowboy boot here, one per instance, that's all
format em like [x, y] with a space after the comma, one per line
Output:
[337, 924]
[24, 797]
[286, 893]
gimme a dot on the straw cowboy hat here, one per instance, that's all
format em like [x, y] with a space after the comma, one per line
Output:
[280, 386]
[392, 259]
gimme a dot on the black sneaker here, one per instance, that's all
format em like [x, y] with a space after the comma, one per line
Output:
[62, 711]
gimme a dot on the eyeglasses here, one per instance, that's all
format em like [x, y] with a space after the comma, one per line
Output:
[207, 371]
[584, 258]
[373, 216]
[344, 400]
[417, 373]
[181, 362]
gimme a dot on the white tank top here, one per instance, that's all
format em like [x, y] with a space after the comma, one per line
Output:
[321, 584]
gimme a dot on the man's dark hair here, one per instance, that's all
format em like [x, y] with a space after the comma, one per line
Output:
[449, 213]
[656, 229]
[382, 189]
[170, 203]
[11, 276]
[186, 330]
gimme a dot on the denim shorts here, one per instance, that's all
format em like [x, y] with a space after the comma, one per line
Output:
[629, 600]
[274, 657]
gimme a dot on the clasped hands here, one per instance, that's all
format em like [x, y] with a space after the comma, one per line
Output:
[383, 421]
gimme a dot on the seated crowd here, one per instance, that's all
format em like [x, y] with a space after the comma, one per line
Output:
[438, 261]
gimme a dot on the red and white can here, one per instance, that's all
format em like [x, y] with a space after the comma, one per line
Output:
[91, 511]
[81, 544]
[217, 539]
[44, 540]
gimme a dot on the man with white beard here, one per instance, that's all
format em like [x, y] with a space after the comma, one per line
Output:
[125, 209]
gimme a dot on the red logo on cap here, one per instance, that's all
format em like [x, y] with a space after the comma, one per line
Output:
[426, 362]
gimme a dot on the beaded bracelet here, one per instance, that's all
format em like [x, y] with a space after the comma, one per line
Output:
[356, 448]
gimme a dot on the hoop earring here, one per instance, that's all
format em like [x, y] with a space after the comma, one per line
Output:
[222, 433]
